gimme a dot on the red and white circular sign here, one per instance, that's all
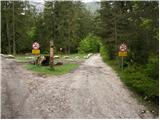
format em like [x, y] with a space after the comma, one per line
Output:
[123, 47]
[35, 45]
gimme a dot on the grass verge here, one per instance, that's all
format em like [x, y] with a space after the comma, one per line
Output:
[58, 70]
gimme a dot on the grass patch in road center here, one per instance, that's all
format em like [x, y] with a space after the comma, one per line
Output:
[58, 70]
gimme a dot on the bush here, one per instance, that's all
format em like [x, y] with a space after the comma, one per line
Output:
[152, 68]
[103, 52]
[136, 79]
[90, 44]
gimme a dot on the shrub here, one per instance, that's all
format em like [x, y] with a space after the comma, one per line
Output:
[90, 44]
[103, 52]
[136, 78]
[152, 68]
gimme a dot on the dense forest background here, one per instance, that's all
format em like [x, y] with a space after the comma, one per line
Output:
[76, 29]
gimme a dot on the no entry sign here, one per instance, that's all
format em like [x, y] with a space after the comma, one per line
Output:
[35, 45]
[35, 48]
[123, 48]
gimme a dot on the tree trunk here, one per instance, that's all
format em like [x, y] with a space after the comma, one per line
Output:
[51, 53]
[65, 49]
[14, 42]
[115, 35]
[8, 38]
[69, 49]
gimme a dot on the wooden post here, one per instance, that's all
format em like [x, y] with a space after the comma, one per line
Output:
[122, 63]
[51, 53]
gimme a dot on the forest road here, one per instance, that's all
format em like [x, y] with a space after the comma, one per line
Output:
[91, 91]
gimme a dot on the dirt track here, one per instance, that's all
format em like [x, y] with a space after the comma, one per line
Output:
[91, 91]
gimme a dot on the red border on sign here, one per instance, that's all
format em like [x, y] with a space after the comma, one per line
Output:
[123, 48]
[35, 46]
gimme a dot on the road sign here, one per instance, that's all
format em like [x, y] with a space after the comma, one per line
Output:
[122, 53]
[123, 48]
[35, 45]
[36, 51]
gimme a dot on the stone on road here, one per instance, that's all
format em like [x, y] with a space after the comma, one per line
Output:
[92, 91]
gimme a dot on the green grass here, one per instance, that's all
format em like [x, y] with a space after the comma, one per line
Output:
[58, 70]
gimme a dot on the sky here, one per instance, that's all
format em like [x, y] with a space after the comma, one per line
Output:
[40, 3]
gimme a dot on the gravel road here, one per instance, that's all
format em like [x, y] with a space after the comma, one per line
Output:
[92, 91]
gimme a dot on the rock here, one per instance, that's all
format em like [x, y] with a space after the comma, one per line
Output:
[59, 63]
[29, 57]
[89, 55]
[143, 111]
[66, 57]
[85, 57]
[3, 55]
[77, 57]
[56, 56]
[10, 56]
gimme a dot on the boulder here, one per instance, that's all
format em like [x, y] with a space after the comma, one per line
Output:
[10, 56]
[66, 57]
[77, 57]
[56, 57]
[2, 55]
[31, 57]
[87, 56]
[59, 63]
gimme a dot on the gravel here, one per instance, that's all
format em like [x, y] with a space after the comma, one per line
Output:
[92, 91]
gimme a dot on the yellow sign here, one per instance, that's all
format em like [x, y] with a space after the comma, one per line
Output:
[36, 51]
[122, 53]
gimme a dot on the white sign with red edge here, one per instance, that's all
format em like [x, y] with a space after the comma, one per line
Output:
[35, 45]
[123, 48]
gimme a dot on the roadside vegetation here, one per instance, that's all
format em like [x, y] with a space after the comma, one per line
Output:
[143, 80]
[90, 44]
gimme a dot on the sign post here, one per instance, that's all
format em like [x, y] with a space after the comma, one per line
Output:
[122, 53]
[51, 53]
